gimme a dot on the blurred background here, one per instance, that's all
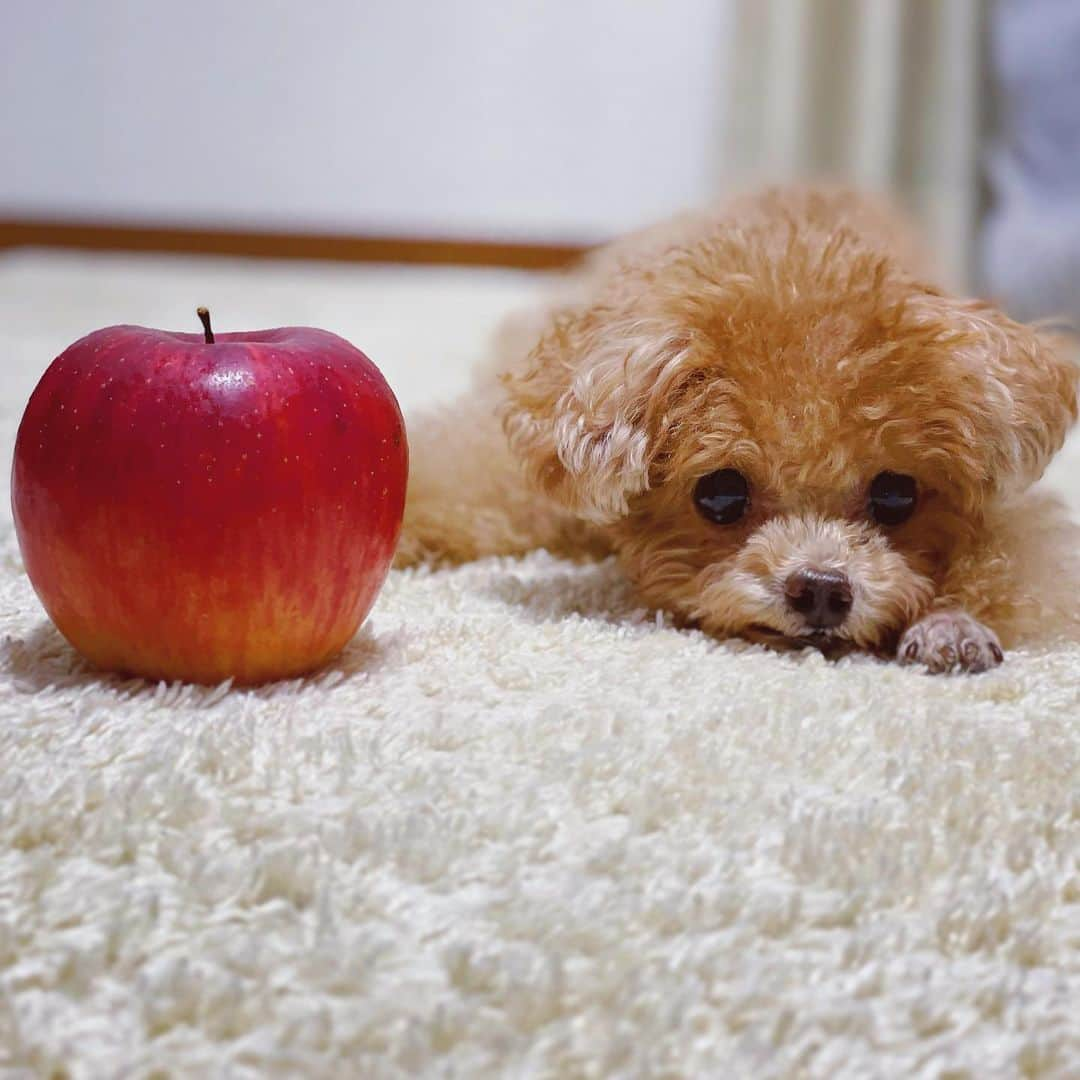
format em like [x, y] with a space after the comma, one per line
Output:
[516, 134]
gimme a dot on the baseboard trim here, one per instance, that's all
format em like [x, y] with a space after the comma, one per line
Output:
[287, 245]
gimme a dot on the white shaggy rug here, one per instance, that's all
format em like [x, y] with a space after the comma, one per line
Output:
[521, 828]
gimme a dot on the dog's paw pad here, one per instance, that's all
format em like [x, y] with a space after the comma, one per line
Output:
[950, 641]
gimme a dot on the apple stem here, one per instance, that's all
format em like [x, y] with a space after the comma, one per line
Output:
[204, 318]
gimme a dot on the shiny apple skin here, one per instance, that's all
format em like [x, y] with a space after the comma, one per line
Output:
[202, 512]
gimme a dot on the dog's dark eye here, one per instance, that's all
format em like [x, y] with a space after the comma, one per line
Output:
[892, 498]
[722, 496]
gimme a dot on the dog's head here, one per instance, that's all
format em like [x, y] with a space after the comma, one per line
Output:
[789, 437]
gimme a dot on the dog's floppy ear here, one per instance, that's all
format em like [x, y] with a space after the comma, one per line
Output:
[584, 411]
[1029, 398]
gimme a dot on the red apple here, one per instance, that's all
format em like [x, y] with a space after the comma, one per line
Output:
[198, 509]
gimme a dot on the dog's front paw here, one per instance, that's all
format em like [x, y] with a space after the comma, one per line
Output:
[950, 641]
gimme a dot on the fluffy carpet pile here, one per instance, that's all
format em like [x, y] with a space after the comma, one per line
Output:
[521, 827]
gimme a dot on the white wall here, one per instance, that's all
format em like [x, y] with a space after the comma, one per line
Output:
[541, 119]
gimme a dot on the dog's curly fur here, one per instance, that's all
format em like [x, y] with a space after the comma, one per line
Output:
[792, 336]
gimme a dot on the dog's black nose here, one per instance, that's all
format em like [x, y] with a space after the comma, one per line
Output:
[821, 597]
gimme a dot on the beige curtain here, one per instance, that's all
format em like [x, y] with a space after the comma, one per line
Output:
[881, 93]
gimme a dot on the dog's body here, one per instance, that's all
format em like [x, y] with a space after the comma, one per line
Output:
[781, 430]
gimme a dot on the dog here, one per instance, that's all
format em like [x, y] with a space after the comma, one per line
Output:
[779, 425]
